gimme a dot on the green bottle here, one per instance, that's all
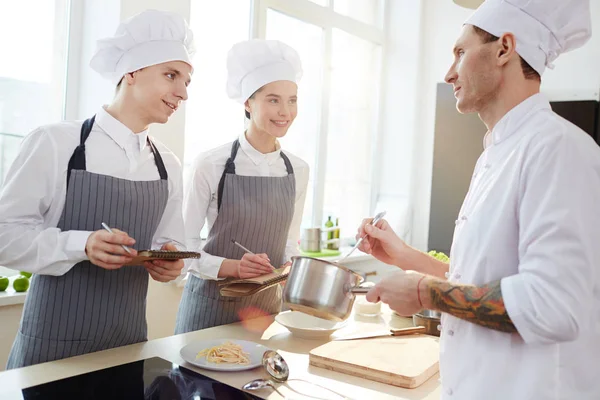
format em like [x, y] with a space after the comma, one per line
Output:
[329, 224]
[336, 234]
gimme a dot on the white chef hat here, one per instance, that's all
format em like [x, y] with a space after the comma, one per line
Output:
[544, 29]
[254, 63]
[148, 38]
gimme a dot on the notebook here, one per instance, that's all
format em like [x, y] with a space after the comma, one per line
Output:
[168, 255]
[247, 287]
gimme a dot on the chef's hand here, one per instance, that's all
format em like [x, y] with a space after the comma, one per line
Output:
[253, 265]
[162, 270]
[104, 249]
[382, 242]
[399, 291]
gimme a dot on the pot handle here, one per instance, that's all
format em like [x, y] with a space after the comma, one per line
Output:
[359, 290]
[363, 288]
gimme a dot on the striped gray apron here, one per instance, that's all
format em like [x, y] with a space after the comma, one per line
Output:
[90, 308]
[257, 212]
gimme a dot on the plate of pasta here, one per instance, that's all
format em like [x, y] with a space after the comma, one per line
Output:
[224, 354]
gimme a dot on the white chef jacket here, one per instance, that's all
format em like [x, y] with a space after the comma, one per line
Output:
[200, 201]
[532, 219]
[33, 195]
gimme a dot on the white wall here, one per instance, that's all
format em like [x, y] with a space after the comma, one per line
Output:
[577, 75]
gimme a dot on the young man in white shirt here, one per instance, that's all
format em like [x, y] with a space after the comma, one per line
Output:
[71, 177]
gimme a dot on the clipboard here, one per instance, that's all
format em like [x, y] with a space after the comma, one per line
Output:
[250, 286]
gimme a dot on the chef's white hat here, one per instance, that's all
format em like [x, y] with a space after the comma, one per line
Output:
[254, 63]
[148, 38]
[544, 29]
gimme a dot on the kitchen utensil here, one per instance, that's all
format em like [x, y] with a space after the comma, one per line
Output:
[306, 326]
[406, 361]
[189, 353]
[375, 220]
[278, 369]
[390, 333]
[259, 384]
[311, 241]
[321, 288]
[430, 319]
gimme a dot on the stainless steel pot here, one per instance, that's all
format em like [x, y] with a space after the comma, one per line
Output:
[430, 319]
[321, 288]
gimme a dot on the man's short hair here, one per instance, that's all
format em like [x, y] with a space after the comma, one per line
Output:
[528, 71]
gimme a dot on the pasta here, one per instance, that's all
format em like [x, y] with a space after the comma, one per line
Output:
[226, 353]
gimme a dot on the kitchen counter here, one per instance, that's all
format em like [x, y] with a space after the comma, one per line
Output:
[261, 330]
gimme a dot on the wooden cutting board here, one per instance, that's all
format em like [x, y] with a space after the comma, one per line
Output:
[405, 361]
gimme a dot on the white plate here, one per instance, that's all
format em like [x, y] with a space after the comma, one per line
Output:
[256, 351]
[306, 326]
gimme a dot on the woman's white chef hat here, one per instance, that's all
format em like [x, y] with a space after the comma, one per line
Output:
[544, 29]
[148, 38]
[254, 63]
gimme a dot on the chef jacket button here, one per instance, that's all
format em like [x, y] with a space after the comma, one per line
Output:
[464, 217]
[487, 166]
[450, 332]
[439, 327]
[457, 275]
[456, 222]
[449, 391]
[447, 274]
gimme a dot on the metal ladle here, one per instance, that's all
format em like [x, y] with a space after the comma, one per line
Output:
[278, 369]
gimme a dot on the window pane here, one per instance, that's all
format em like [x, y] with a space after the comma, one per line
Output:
[302, 138]
[363, 10]
[323, 3]
[212, 118]
[32, 71]
[351, 129]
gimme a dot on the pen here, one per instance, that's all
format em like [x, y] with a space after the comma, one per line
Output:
[240, 246]
[110, 230]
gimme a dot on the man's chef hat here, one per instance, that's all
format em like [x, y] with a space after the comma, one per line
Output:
[544, 29]
[148, 38]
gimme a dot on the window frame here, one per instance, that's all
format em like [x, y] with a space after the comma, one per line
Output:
[326, 18]
[68, 26]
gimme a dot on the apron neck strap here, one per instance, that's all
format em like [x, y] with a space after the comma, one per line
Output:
[230, 169]
[77, 160]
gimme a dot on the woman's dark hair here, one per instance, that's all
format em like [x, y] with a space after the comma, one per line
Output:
[251, 97]
[487, 37]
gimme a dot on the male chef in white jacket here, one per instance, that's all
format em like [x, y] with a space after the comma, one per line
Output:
[521, 296]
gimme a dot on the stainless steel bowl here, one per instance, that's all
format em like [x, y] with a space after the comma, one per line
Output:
[321, 288]
[430, 319]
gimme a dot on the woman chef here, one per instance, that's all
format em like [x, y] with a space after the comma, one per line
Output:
[70, 177]
[249, 191]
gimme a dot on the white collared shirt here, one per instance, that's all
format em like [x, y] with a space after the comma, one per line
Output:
[531, 219]
[200, 204]
[33, 195]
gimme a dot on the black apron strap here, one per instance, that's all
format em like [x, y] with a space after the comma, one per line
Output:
[229, 169]
[162, 171]
[288, 163]
[77, 160]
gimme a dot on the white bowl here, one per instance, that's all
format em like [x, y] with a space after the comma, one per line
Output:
[306, 326]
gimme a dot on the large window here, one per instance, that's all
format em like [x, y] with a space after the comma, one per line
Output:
[340, 44]
[33, 70]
